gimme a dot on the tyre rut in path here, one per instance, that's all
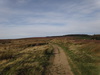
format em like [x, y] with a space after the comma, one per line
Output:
[60, 64]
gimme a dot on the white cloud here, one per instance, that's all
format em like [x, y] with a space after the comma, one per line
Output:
[71, 18]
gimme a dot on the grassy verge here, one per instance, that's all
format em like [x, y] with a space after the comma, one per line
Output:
[82, 62]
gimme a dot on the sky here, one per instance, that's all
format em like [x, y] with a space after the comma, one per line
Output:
[39, 18]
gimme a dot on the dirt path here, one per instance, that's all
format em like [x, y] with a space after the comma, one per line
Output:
[60, 63]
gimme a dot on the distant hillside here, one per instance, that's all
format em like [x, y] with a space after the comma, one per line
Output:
[78, 36]
[96, 37]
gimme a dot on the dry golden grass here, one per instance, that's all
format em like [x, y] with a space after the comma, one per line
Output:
[24, 57]
[84, 55]
[31, 56]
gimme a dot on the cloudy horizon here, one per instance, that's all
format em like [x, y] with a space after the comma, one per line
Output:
[40, 18]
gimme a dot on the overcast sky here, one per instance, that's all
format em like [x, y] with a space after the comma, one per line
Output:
[38, 18]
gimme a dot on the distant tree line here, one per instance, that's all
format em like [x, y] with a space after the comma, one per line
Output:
[96, 37]
[77, 35]
[81, 36]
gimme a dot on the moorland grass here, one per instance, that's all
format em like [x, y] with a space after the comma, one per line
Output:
[83, 57]
[24, 59]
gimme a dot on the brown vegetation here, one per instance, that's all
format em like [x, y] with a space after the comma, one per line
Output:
[31, 56]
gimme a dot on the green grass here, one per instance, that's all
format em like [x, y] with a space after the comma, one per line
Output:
[31, 56]
[82, 62]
